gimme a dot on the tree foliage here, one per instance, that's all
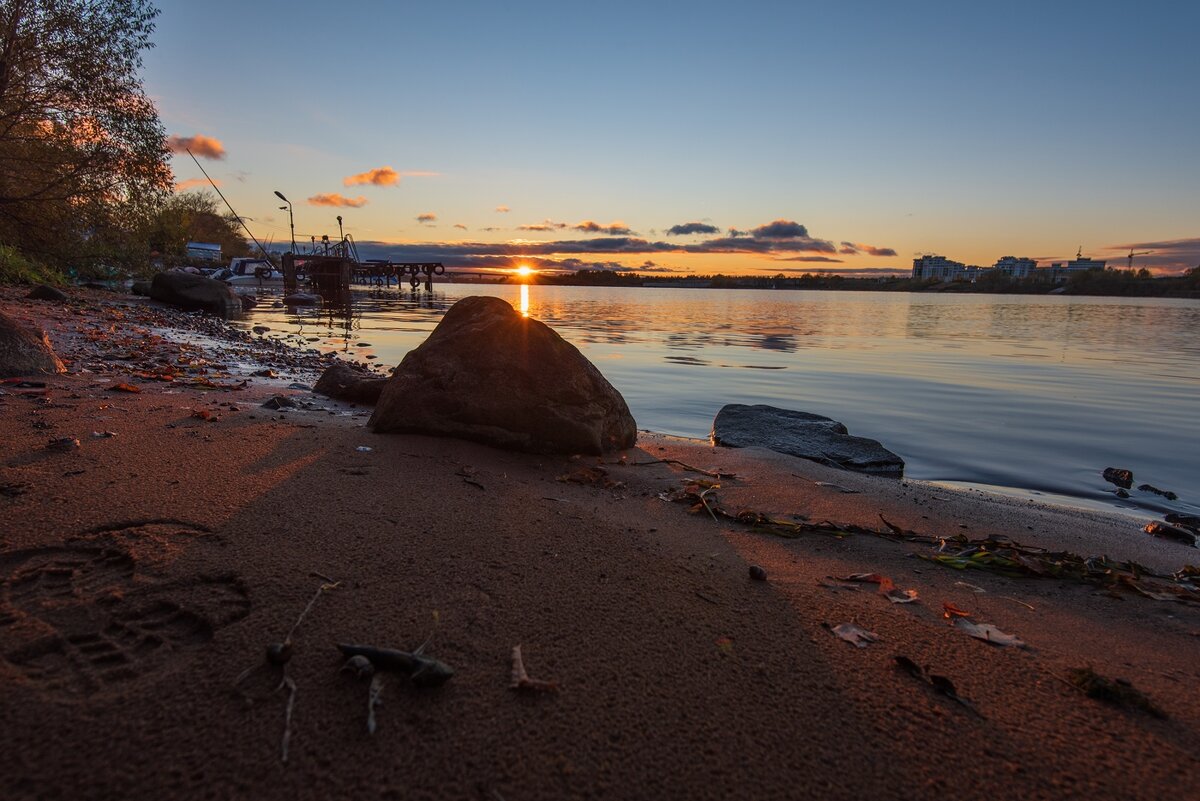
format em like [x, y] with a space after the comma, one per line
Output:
[193, 217]
[83, 157]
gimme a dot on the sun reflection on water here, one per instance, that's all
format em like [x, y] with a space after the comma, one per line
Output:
[524, 300]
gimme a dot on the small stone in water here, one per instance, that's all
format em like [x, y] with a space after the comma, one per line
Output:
[360, 666]
[758, 573]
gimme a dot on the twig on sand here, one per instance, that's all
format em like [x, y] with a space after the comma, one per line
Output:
[287, 718]
[328, 585]
[688, 467]
[374, 699]
[521, 680]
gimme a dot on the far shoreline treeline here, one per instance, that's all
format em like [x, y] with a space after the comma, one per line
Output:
[1107, 282]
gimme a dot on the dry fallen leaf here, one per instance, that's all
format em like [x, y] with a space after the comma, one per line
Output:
[987, 632]
[125, 388]
[854, 634]
[950, 611]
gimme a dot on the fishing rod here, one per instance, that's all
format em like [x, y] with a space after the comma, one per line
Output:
[236, 216]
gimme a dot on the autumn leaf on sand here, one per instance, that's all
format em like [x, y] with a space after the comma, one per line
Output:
[987, 632]
[125, 388]
[887, 587]
[950, 611]
[853, 634]
[521, 680]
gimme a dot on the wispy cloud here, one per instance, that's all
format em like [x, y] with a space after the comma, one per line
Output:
[503, 209]
[688, 229]
[427, 218]
[335, 199]
[192, 183]
[854, 248]
[811, 258]
[614, 228]
[544, 225]
[380, 176]
[461, 226]
[202, 147]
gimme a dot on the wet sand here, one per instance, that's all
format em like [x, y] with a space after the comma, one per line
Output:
[143, 572]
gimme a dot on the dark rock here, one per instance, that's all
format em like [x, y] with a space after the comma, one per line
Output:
[809, 436]
[344, 382]
[488, 374]
[758, 573]
[280, 402]
[1120, 477]
[1163, 531]
[1121, 493]
[43, 292]
[195, 293]
[1170, 496]
[261, 329]
[25, 351]
[302, 299]
[141, 288]
[248, 302]
[295, 385]
[1187, 521]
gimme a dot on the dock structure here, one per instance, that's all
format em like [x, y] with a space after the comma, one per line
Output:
[331, 268]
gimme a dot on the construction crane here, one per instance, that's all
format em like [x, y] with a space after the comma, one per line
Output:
[1139, 253]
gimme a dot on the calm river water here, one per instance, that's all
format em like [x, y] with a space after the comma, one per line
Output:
[1015, 393]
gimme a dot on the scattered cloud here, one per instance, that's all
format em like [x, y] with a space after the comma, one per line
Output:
[460, 225]
[503, 209]
[427, 218]
[380, 176]
[335, 199]
[854, 248]
[202, 147]
[615, 228]
[544, 225]
[240, 176]
[688, 229]
[811, 258]
[780, 229]
[491, 228]
[192, 183]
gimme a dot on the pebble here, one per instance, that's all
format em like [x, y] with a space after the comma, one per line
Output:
[758, 573]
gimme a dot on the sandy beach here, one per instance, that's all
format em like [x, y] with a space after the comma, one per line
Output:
[141, 573]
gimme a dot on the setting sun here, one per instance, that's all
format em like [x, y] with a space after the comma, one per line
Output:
[524, 271]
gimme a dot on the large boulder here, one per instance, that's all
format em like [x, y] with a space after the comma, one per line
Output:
[490, 375]
[25, 351]
[809, 436]
[44, 292]
[195, 293]
[342, 381]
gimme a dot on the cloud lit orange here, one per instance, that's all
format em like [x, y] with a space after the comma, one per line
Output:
[335, 199]
[205, 147]
[427, 217]
[192, 183]
[380, 176]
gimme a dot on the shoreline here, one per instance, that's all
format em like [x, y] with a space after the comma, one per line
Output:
[187, 543]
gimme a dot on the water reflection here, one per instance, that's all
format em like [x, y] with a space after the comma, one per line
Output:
[1014, 390]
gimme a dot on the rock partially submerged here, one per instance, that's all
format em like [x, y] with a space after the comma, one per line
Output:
[345, 382]
[25, 351]
[490, 375]
[302, 299]
[1117, 475]
[809, 436]
[195, 293]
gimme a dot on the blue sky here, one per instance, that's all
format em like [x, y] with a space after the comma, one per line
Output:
[956, 128]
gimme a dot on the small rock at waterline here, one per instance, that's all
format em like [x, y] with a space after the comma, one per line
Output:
[280, 402]
[1170, 496]
[1119, 476]
[63, 445]
[758, 573]
[1163, 531]
[43, 292]
[261, 329]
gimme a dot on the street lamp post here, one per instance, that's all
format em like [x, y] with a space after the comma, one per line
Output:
[341, 234]
[291, 218]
